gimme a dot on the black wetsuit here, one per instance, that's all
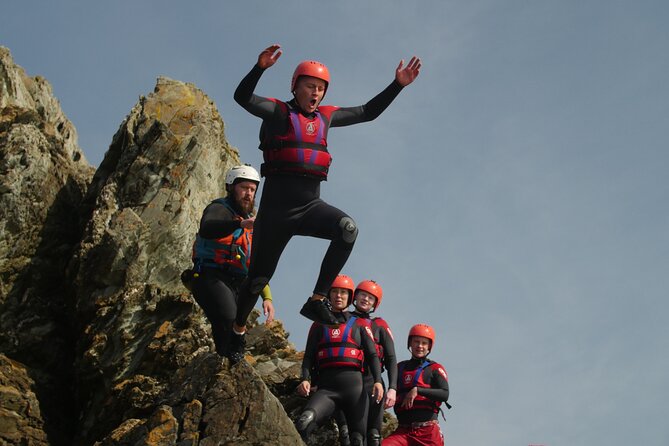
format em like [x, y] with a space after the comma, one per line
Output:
[216, 290]
[339, 388]
[290, 203]
[383, 338]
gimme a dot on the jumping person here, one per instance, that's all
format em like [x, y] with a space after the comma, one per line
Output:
[293, 138]
[422, 387]
[338, 354]
[221, 257]
[366, 300]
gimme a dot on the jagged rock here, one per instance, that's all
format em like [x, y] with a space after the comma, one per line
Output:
[20, 417]
[43, 177]
[145, 358]
[103, 344]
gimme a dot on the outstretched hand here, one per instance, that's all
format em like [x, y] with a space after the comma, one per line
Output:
[269, 56]
[405, 75]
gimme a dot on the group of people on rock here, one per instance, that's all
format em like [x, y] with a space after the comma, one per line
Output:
[236, 253]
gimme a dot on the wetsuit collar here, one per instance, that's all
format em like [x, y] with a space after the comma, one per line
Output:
[360, 314]
[294, 105]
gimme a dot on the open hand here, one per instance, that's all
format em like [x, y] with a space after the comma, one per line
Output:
[405, 75]
[269, 56]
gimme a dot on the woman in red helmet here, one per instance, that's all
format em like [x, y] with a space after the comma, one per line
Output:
[422, 387]
[366, 300]
[337, 353]
[293, 138]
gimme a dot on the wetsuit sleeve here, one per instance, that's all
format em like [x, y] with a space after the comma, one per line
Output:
[259, 106]
[310, 352]
[438, 390]
[371, 110]
[369, 347]
[217, 221]
[389, 357]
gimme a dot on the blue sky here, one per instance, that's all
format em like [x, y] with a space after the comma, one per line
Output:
[514, 197]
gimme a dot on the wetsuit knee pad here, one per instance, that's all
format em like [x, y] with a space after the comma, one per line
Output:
[357, 439]
[257, 284]
[303, 422]
[373, 438]
[349, 230]
[344, 439]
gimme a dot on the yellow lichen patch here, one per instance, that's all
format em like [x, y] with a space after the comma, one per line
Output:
[163, 330]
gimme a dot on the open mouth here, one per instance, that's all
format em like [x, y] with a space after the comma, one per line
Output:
[313, 102]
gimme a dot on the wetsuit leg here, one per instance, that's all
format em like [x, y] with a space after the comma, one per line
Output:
[375, 413]
[270, 238]
[340, 419]
[354, 405]
[319, 408]
[327, 222]
[219, 303]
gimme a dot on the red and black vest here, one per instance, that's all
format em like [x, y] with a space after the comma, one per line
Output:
[303, 149]
[231, 253]
[337, 348]
[407, 380]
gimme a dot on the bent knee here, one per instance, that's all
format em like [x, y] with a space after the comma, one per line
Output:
[304, 421]
[348, 230]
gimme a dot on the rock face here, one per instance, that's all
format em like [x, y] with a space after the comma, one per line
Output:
[43, 177]
[100, 344]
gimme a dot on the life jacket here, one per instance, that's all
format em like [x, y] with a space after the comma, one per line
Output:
[231, 253]
[303, 149]
[375, 325]
[337, 348]
[407, 380]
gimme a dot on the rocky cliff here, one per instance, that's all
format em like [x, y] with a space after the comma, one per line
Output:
[100, 344]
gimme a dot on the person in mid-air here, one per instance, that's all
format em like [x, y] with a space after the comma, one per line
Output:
[293, 138]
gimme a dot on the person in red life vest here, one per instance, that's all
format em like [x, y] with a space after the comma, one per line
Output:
[421, 388]
[366, 300]
[293, 138]
[221, 257]
[338, 352]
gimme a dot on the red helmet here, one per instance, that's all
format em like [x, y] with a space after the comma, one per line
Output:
[345, 282]
[311, 68]
[372, 288]
[421, 330]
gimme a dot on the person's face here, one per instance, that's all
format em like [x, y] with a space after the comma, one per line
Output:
[309, 92]
[364, 301]
[339, 298]
[245, 194]
[419, 346]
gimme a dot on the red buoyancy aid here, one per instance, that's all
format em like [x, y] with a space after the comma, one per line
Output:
[231, 253]
[302, 150]
[408, 379]
[337, 347]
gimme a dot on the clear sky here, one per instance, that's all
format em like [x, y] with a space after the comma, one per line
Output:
[515, 197]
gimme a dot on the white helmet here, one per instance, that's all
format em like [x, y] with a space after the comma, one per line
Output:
[243, 172]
